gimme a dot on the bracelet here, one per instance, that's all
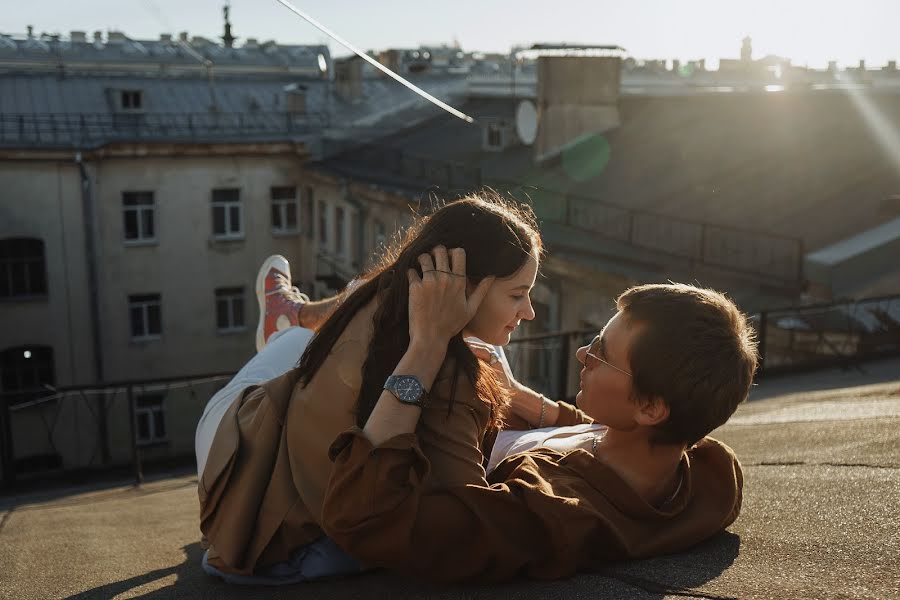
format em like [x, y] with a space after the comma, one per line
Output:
[543, 411]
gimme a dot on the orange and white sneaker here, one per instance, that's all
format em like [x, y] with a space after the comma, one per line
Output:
[279, 303]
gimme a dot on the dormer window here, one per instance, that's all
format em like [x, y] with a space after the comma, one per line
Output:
[497, 135]
[131, 100]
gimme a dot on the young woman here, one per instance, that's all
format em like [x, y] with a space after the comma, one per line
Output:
[264, 472]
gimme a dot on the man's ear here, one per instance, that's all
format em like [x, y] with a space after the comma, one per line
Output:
[652, 411]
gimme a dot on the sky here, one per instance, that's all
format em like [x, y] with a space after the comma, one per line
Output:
[809, 32]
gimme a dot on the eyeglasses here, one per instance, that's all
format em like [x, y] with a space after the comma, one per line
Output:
[592, 357]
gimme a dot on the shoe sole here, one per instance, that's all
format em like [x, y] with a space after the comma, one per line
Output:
[261, 296]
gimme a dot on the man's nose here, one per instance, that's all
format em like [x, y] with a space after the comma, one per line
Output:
[581, 353]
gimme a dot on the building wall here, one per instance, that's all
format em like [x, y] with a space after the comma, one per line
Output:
[184, 265]
[43, 200]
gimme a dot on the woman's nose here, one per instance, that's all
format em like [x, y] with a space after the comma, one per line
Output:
[528, 315]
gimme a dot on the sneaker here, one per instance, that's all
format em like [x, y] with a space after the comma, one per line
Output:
[279, 303]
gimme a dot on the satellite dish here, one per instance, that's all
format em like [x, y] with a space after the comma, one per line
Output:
[526, 122]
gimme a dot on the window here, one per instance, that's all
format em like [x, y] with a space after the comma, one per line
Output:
[323, 224]
[308, 209]
[137, 211]
[495, 134]
[227, 214]
[146, 318]
[230, 309]
[150, 417]
[23, 272]
[339, 237]
[285, 207]
[131, 99]
[26, 369]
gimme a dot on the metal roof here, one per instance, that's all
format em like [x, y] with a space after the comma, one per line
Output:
[120, 49]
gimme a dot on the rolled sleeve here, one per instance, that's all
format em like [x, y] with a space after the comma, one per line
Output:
[378, 510]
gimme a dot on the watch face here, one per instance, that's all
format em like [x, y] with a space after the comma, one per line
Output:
[406, 387]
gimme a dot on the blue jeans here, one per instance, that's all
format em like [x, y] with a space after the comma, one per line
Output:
[321, 558]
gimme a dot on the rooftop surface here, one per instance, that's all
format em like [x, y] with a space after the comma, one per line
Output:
[821, 457]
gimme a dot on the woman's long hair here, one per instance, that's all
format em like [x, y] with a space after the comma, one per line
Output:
[498, 237]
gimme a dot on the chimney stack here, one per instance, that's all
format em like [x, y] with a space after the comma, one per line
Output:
[78, 37]
[166, 38]
[348, 79]
[183, 37]
[577, 96]
[30, 31]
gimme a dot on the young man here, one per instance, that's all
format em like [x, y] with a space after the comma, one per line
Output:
[669, 367]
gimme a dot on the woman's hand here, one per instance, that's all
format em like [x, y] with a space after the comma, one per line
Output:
[438, 305]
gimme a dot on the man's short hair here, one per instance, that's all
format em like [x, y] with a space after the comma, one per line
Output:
[696, 350]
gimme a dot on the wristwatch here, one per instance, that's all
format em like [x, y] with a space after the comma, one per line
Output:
[407, 389]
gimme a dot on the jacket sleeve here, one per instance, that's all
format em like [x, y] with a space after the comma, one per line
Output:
[451, 432]
[569, 415]
[378, 510]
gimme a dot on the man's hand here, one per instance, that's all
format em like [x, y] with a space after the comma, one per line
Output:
[489, 354]
[438, 305]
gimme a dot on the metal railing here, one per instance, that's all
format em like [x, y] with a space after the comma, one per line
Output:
[777, 258]
[86, 428]
[93, 128]
[833, 334]
[546, 361]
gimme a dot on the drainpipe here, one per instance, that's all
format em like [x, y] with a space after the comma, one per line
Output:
[87, 215]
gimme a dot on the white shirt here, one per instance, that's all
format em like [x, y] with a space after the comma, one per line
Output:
[561, 439]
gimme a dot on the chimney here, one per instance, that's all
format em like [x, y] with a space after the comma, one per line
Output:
[98, 38]
[577, 96]
[30, 31]
[165, 38]
[78, 37]
[348, 79]
[832, 66]
[676, 66]
[862, 65]
[183, 37]
[251, 44]
[115, 37]
[892, 65]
